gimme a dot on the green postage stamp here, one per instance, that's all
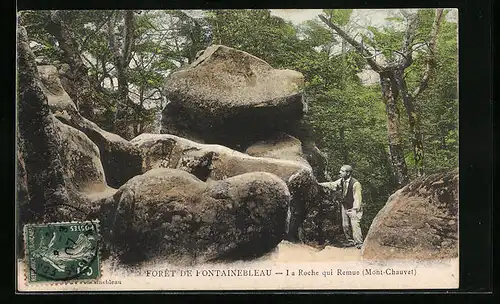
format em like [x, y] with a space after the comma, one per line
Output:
[67, 251]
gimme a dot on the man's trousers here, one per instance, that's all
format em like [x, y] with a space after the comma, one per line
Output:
[351, 226]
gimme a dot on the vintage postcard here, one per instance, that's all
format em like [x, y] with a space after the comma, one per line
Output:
[252, 149]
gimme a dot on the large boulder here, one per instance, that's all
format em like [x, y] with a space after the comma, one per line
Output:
[51, 86]
[314, 221]
[83, 176]
[47, 192]
[216, 162]
[418, 222]
[120, 159]
[171, 215]
[80, 159]
[224, 92]
[285, 146]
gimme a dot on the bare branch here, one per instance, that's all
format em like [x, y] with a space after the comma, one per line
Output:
[360, 48]
[379, 52]
[88, 61]
[105, 71]
[136, 63]
[419, 45]
[431, 56]
[153, 56]
[112, 82]
[406, 50]
[156, 90]
[133, 92]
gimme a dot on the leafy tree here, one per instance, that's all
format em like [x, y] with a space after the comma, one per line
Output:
[117, 60]
[258, 33]
[393, 83]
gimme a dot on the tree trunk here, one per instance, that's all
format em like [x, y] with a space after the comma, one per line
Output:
[121, 58]
[121, 106]
[84, 94]
[44, 175]
[413, 122]
[394, 136]
[409, 98]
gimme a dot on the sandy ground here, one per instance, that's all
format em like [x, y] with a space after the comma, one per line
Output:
[289, 252]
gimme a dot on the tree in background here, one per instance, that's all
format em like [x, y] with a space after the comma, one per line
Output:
[438, 103]
[50, 29]
[398, 55]
[113, 63]
[121, 49]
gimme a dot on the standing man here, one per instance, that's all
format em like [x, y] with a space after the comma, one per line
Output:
[352, 209]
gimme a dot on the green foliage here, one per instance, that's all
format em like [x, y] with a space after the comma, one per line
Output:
[163, 40]
[43, 45]
[385, 40]
[258, 33]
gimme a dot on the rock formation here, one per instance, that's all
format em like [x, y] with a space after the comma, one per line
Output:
[58, 165]
[419, 221]
[120, 159]
[167, 197]
[320, 225]
[206, 161]
[45, 182]
[231, 98]
[216, 162]
[171, 214]
[222, 94]
[80, 159]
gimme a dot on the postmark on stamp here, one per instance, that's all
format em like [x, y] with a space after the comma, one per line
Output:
[66, 251]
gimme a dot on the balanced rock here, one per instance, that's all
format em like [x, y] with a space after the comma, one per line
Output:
[120, 159]
[228, 96]
[419, 221]
[171, 215]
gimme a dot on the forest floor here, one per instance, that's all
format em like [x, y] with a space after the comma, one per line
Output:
[290, 252]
